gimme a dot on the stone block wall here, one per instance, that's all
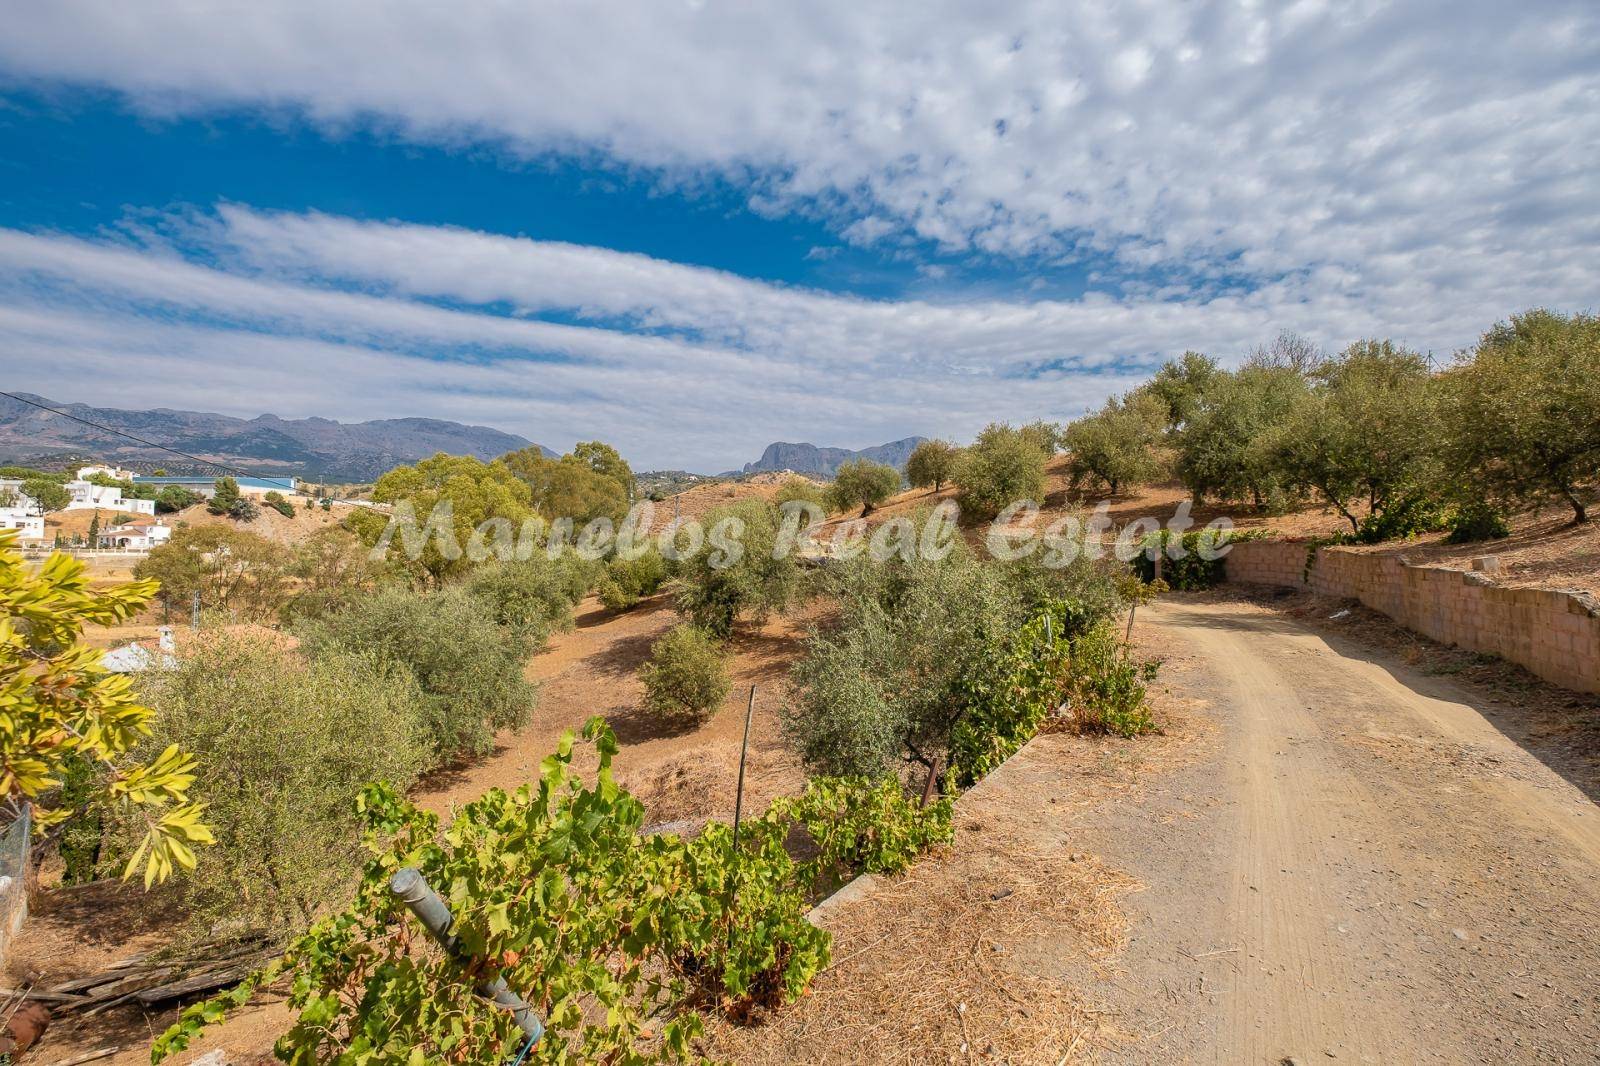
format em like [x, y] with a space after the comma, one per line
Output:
[1554, 634]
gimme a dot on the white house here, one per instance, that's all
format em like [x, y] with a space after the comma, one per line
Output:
[86, 495]
[140, 537]
[31, 525]
[86, 472]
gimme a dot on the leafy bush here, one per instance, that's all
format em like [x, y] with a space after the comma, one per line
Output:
[277, 502]
[715, 589]
[1011, 694]
[1191, 572]
[1473, 522]
[1002, 466]
[1402, 518]
[556, 889]
[859, 825]
[686, 678]
[802, 489]
[535, 596]
[1105, 690]
[469, 667]
[627, 581]
[287, 744]
[862, 483]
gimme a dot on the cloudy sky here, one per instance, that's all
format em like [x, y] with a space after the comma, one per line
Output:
[692, 228]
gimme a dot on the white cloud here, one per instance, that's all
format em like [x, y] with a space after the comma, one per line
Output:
[1412, 169]
[679, 365]
[1384, 137]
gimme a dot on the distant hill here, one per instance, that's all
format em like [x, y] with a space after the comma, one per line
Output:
[824, 462]
[318, 448]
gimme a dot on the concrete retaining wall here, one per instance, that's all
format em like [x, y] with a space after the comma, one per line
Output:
[1555, 634]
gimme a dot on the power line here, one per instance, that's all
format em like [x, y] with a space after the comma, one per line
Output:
[147, 443]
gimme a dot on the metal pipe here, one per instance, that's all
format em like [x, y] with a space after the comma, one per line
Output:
[411, 888]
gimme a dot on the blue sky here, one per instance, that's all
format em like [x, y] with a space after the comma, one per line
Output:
[695, 228]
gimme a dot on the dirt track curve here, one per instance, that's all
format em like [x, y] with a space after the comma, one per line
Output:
[1359, 866]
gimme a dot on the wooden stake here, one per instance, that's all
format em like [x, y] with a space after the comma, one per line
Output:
[744, 749]
[927, 789]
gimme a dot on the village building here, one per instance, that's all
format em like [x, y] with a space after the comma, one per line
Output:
[135, 536]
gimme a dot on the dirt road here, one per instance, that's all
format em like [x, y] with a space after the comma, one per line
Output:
[1359, 866]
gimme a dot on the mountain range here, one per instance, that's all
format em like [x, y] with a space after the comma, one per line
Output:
[824, 462]
[318, 448]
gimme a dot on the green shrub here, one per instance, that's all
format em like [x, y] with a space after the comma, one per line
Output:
[1191, 572]
[535, 596]
[1009, 696]
[686, 679]
[287, 744]
[1477, 521]
[859, 826]
[627, 581]
[1002, 466]
[469, 667]
[1403, 518]
[802, 489]
[277, 502]
[560, 892]
[1105, 690]
[715, 592]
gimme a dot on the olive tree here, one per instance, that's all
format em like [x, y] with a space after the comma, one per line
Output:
[1523, 413]
[468, 666]
[740, 572]
[1363, 433]
[931, 464]
[1117, 445]
[862, 483]
[233, 570]
[1183, 385]
[288, 742]
[1002, 466]
[1218, 448]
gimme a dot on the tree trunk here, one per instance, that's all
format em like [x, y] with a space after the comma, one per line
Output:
[1580, 513]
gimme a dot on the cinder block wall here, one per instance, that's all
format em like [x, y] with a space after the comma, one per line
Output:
[1555, 634]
